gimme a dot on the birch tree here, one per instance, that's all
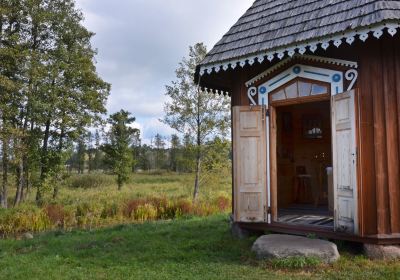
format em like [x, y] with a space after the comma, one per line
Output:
[191, 111]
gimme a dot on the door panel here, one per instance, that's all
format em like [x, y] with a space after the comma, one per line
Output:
[249, 158]
[345, 161]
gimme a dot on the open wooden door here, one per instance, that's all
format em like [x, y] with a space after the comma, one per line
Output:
[345, 161]
[249, 159]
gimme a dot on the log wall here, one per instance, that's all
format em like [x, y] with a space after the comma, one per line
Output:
[379, 117]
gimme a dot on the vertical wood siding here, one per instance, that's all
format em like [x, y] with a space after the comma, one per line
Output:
[379, 115]
[379, 87]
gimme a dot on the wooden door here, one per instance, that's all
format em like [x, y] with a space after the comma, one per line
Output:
[345, 162]
[249, 158]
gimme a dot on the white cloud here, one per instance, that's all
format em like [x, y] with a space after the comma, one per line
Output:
[140, 43]
[153, 126]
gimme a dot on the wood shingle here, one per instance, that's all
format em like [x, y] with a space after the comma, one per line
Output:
[272, 24]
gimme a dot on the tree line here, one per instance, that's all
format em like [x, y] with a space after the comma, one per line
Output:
[173, 154]
[52, 100]
[49, 92]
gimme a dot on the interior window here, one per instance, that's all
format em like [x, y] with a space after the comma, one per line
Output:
[304, 89]
[291, 91]
[299, 89]
[318, 89]
[280, 95]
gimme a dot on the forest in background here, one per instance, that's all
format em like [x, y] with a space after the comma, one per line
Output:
[53, 111]
[67, 163]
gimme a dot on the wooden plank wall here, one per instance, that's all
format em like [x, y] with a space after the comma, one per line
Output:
[379, 85]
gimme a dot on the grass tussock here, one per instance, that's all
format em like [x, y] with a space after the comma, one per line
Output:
[91, 215]
[294, 263]
[89, 181]
[92, 200]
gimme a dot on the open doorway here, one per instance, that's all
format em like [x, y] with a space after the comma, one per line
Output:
[304, 164]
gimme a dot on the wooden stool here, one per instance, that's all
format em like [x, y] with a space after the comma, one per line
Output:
[302, 185]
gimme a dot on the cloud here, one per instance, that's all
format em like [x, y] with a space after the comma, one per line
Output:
[153, 126]
[141, 42]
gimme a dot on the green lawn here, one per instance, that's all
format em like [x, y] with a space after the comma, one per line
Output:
[196, 248]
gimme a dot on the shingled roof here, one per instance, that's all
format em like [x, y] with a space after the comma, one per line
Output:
[272, 24]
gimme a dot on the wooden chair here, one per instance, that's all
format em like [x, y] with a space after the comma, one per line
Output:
[302, 186]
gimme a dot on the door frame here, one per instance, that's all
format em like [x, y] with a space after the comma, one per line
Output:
[273, 161]
[272, 152]
[264, 87]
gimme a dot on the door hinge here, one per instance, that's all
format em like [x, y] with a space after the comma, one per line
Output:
[267, 212]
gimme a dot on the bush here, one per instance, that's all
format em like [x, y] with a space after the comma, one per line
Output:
[131, 206]
[97, 213]
[110, 211]
[56, 214]
[223, 203]
[88, 215]
[23, 219]
[90, 181]
[146, 212]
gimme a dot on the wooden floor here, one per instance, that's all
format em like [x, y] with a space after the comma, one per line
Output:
[305, 215]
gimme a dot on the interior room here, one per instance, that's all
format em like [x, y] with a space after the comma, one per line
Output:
[304, 164]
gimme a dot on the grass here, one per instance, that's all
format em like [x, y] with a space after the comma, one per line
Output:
[195, 248]
[93, 201]
[170, 185]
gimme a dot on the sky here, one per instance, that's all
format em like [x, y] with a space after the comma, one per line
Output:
[141, 42]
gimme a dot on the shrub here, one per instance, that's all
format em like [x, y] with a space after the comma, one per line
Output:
[23, 219]
[88, 214]
[110, 211]
[70, 220]
[56, 214]
[203, 209]
[97, 213]
[223, 203]
[90, 181]
[146, 212]
[131, 206]
[184, 207]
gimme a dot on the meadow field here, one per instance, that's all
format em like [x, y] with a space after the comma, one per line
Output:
[150, 230]
[188, 248]
[91, 201]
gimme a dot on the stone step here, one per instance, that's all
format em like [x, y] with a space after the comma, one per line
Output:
[279, 246]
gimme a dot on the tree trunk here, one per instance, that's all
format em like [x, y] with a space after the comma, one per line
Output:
[60, 147]
[20, 145]
[119, 181]
[197, 179]
[90, 159]
[25, 159]
[198, 165]
[198, 152]
[4, 187]
[20, 183]
[25, 174]
[43, 163]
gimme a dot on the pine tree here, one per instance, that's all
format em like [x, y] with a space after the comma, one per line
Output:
[174, 153]
[159, 145]
[117, 150]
